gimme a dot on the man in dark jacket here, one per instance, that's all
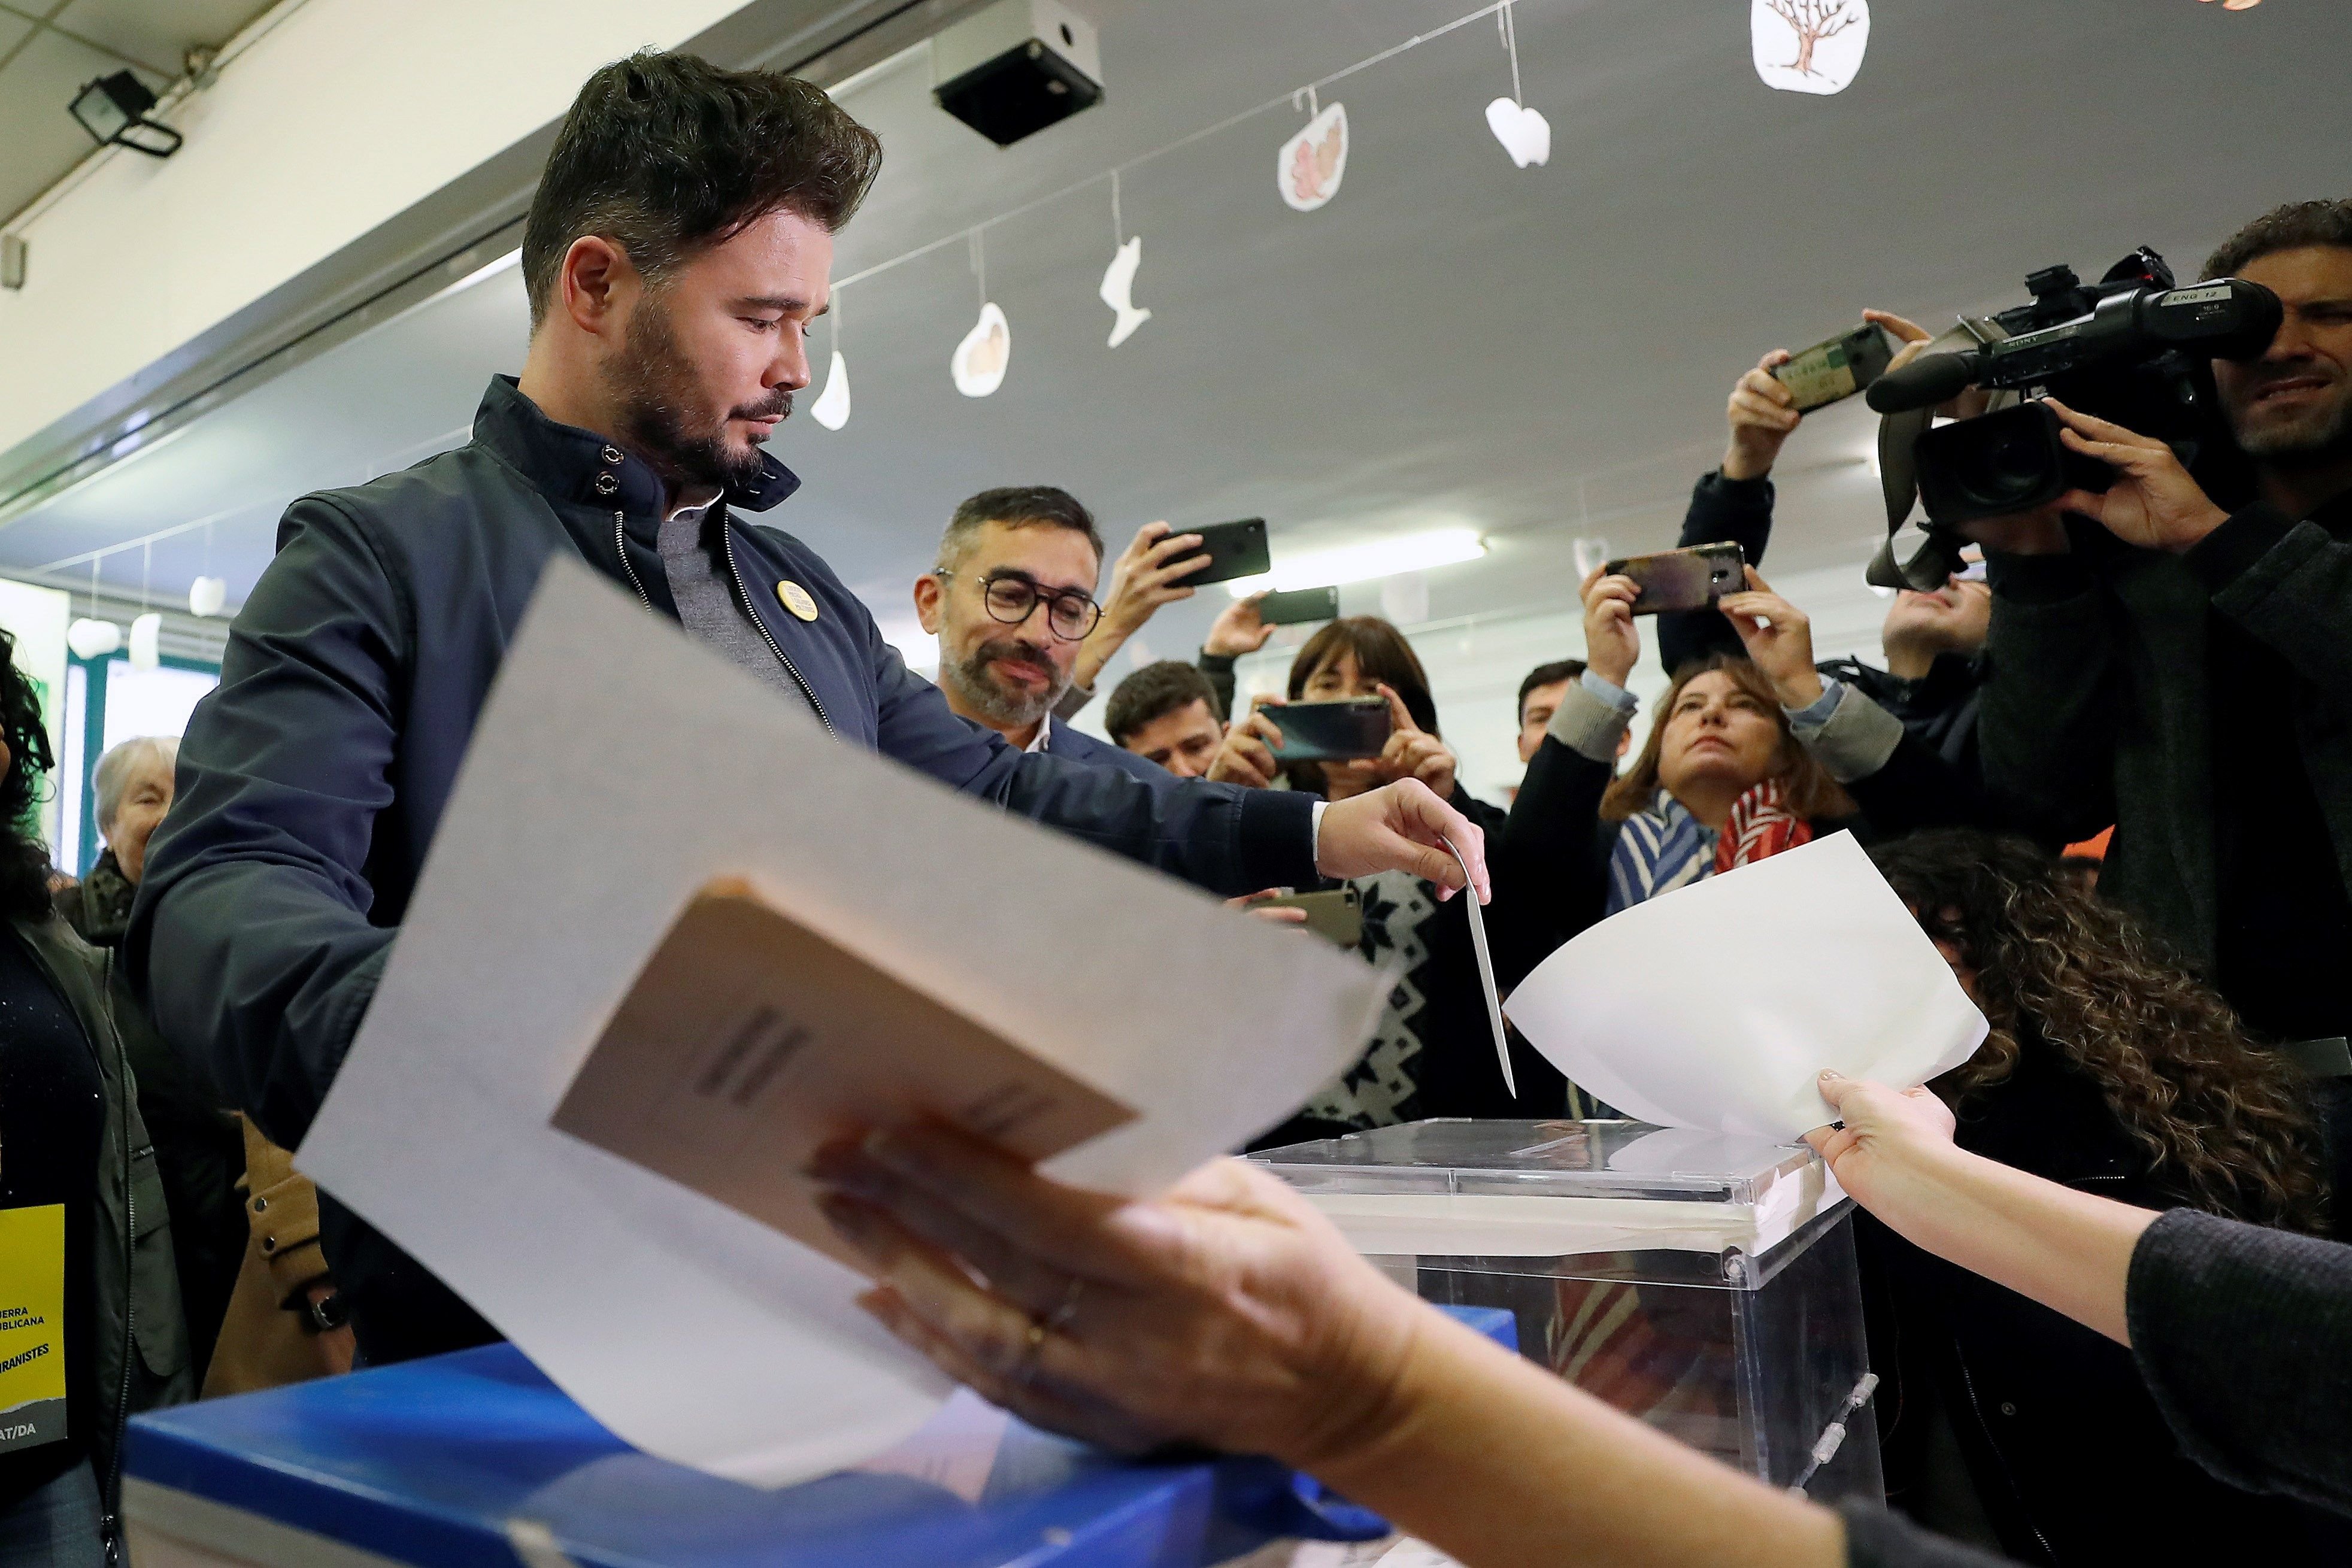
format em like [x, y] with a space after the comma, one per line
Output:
[1010, 600]
[676, 251]
[2184, 671]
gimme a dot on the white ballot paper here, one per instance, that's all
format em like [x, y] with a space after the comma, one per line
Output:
[666, 911]
[1717, 1005]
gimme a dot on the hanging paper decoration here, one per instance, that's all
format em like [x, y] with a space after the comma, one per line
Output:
[146, 636]
[206, 595]
[831, 408]
[93, 639]
[1809, 45]
[978, 363]
[1313, 161]
[1117, 288]
[1524, 132]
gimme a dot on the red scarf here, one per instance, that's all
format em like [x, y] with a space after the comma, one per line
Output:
[1761, 824]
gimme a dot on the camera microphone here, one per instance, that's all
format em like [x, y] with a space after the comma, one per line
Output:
[1931, 379]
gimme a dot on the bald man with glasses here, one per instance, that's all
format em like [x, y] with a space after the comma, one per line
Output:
[1010, 600]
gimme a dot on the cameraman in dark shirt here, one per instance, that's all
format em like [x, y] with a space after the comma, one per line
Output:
[2184, 670]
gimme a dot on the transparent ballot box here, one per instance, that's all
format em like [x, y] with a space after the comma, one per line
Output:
[1702, 1282]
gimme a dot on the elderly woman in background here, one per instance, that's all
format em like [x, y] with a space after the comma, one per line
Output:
[199, 1152]
[252, 1278]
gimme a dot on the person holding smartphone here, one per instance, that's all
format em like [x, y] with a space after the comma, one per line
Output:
[1431, 1053]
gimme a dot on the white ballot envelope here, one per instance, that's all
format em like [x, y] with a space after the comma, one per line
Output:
[1717, 1005]
[672, 936]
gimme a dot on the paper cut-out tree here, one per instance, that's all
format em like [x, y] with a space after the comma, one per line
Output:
[1812, 20]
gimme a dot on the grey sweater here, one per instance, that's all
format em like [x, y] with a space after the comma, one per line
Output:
[2244, 1337]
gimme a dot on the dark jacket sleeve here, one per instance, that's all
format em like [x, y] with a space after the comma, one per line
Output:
[1219, 669]
[1228, 839]
[1722, 511]
[2047, 726]
[2289, 584]
[2244, 1337]
[250, 937]
[1550, 840]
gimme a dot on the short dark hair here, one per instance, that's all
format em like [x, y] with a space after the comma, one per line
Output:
[1154, 692]
[1549, 675]
[666, 155]
[1018, 507]
[2290, 227]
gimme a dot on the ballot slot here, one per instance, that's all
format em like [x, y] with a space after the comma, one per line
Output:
[748, 1041]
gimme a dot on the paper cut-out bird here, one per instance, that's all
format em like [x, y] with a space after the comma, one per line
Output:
[1118, 288]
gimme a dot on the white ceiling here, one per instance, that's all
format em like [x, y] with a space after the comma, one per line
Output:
[50, 48]
[1539, 352]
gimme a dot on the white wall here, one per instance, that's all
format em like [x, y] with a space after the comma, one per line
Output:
[338, 119]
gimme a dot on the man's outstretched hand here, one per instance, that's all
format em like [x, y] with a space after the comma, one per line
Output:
[1404, 827]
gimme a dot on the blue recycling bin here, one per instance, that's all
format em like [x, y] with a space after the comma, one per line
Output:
[477, 1459]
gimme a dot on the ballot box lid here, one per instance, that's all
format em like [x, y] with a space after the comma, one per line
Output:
[475, 1458]
[1488, 1189]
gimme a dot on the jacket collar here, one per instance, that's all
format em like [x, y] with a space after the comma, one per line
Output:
[570, 465]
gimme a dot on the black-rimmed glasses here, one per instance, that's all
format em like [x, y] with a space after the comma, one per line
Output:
[1070, 614]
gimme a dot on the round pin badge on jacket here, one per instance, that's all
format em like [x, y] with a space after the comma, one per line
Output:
[796, 599]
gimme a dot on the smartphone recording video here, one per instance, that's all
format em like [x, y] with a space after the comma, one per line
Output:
[1830, 372]
[1338, 731]
[1683, 579]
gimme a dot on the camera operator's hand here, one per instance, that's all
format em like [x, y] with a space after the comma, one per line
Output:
[1611, 646]
[1238, 629]
[2153, 503]
[1246, 757]
[1149, 574]
[1778, 638]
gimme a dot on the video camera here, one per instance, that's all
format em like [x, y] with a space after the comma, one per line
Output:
[2133, 348]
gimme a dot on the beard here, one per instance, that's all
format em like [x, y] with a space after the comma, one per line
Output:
[656, 390]
[2322, 432]
[975, 681]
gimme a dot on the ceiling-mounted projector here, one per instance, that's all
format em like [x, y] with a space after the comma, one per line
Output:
[1018, 67]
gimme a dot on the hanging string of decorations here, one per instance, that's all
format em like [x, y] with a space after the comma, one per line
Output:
[1799, 45]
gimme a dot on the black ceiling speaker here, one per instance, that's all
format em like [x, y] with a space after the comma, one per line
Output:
[1018, 67]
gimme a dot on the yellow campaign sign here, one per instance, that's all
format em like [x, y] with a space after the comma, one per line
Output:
[32, 1327]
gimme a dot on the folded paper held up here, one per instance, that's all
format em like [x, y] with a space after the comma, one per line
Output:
[774, 947]
[1716, 1006]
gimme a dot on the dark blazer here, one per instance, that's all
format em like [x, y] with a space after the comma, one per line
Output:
[312, 781]
[1076, 746]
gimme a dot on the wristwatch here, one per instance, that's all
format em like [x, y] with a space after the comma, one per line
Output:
[327, 1313]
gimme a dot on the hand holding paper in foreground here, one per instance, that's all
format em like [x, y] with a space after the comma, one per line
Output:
[1227, 1312]
[2067, 1249]
[1404, 827]
[1230, 1312]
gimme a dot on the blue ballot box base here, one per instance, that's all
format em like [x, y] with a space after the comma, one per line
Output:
[477, 1459]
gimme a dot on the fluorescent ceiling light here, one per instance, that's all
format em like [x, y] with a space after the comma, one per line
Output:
[1362, 562]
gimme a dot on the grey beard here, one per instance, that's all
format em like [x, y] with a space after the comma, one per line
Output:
[969, 678]
[2330, 435]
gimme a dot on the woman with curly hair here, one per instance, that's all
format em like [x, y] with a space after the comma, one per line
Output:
[79, 1192]
[2111, 1070]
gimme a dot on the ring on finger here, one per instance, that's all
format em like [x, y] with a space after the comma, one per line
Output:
[1042, 1326]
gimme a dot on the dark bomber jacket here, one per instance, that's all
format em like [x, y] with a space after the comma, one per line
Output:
[310, 782]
